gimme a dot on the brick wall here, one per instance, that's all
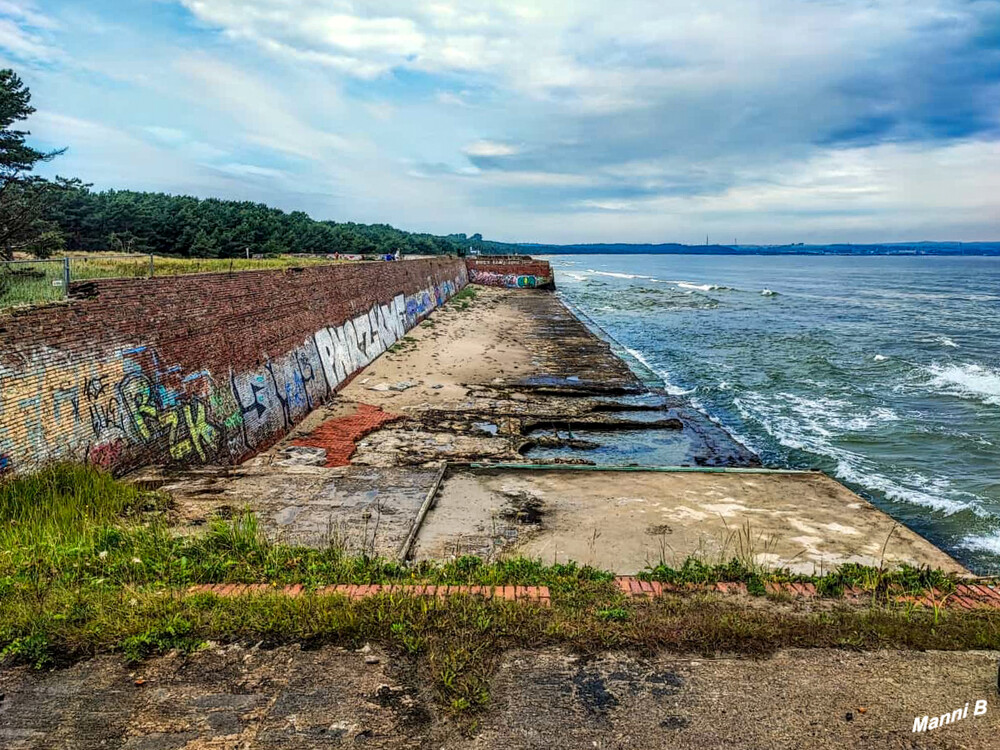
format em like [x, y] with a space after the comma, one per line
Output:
[511, 272]
[198, 368]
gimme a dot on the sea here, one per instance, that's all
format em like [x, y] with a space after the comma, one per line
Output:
[883, 371]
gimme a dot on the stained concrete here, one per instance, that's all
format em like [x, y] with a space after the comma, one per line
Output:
[625, 521]
[357, 509]
[252, 699]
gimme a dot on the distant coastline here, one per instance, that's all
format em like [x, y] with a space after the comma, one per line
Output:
[672, 248]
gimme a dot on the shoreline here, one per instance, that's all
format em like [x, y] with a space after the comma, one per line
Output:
[514, 377]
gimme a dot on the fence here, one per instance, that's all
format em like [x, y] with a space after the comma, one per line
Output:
[35, 281]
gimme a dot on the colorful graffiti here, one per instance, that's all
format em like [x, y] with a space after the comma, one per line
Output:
[110, 412]
[129, 408]
[508, 280]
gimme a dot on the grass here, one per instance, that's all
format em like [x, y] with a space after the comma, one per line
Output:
[42, 281]
[463, 299]
[88, 564]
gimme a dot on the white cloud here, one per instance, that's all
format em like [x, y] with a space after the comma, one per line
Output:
[490, 148]
[23, 44]
[267, 116]
[539, 120]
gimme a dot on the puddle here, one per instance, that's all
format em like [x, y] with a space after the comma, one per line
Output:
[487, 427]
[624, 447]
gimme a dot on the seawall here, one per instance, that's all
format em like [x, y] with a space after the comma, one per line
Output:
[200, 368]
[513, 272]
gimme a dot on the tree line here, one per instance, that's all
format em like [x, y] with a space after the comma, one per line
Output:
[45, 217]
[128, 221]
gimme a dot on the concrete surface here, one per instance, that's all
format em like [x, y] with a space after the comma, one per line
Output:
[235, 697]
[624, 521]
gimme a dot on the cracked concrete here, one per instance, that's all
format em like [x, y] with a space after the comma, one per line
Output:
[254, 699]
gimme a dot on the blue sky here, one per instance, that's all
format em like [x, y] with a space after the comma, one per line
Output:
[634, 120]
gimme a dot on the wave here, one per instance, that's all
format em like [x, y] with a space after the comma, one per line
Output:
[698, 287]
[968, 381]
[616, 275]
[663, 375]
[679, 283]
[814, 424]
[938, 338]
[880, 358]
[981, 543]
[768, 293]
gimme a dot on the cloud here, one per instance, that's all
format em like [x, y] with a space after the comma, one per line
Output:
[541, 121]
[24, 32]
[490, 148]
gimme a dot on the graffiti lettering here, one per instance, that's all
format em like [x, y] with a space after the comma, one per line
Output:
[129, 407]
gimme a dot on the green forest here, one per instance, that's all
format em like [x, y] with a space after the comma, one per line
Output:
[127, 221]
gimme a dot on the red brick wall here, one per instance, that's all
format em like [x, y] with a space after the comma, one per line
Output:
[511, 273]
[206, 367]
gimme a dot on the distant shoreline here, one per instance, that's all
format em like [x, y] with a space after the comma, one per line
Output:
[946, 250]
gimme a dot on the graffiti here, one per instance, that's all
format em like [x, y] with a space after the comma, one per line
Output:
[190, 431]
[111, 413]
[128, 407]
[106, 455]
[508, 280]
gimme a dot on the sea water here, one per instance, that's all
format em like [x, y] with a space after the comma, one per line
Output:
[883, 371]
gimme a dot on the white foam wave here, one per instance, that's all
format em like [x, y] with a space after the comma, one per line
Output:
[698, 287]
[880, 358]
[663, 375]
[981, 543]
[768, 293]
[813, 425]
[616, 275]
[969, 381]
[938, 338]
[689, 286]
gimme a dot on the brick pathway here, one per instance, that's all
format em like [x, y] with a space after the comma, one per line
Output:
[533, 594]
[340, 434]
[966, 596]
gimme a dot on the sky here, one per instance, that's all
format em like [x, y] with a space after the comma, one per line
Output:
[538, 121]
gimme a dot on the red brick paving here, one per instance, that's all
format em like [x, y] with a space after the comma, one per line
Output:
[537, 594]
[340, 435]
[966, 596]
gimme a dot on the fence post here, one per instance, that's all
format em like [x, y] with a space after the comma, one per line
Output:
[150, 265]
[66, 276]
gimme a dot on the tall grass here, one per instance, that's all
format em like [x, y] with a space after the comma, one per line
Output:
[97, 266]
[63, 505]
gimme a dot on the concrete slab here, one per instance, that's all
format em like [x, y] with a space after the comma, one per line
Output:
[234, 697]
[626, 520]
[360, 509]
